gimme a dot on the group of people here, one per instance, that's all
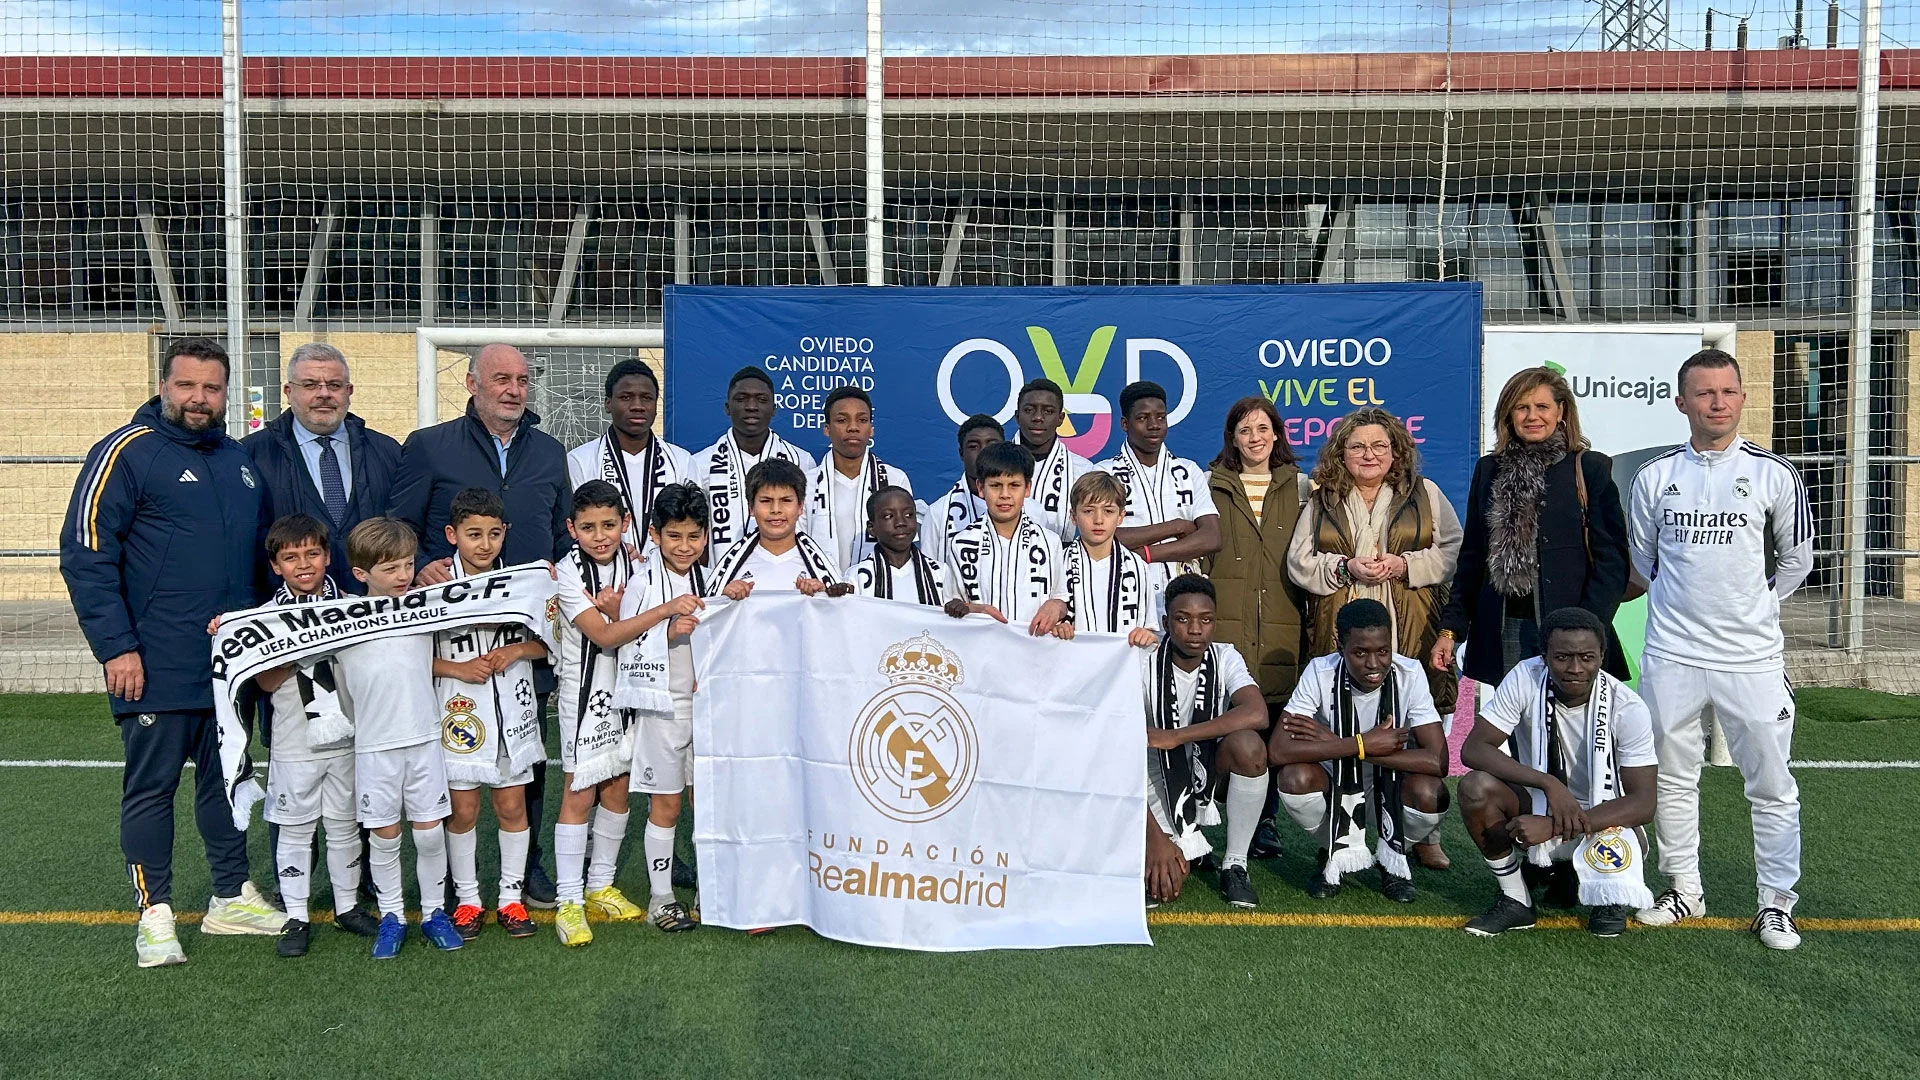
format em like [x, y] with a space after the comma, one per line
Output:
[1301, 634]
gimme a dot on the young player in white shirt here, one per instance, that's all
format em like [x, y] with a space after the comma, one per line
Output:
[847, 477]
[1040, 409]
[596, 738]
[898, 569]
[1009, 566]
[1170, 517]
[1204, 718]
[628, 454]
[1359, 745]
[721, 469]
[1722, 532]
[494, 661]
[308, 784]
[961, 506]
[399, 772]
[1563, 763]
[779, 555]
[1111, 590]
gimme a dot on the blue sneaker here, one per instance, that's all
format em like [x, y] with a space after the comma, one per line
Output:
[392, 934]
[439, 930]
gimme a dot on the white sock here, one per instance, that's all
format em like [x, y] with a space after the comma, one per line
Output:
[463, 863]
[1421, 826]
[430, 867]
[513, 864]
[609, 832]
[570, 862]
[383, 857]
[294, 864]
[1307, 811]
[659, 844]
[343, 863]
[1506, 871]
[1246, 797]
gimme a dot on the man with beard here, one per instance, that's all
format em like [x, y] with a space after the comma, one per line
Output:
[161, 535]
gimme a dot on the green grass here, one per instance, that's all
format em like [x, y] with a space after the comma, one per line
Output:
[1203, 1001]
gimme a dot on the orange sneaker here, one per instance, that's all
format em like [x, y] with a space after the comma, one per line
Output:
[466, 919]
[513, 919]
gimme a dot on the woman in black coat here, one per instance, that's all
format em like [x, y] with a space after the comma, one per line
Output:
[1539, 535]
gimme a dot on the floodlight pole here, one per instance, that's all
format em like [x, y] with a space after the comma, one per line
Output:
[232, 130]
[1860, 345]
[876, 147]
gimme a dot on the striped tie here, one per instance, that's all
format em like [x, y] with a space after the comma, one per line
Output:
[333, 489]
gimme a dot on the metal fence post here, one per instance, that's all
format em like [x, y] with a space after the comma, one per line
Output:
[1860, 346]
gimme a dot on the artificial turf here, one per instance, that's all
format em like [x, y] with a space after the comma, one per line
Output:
[1204, 1001]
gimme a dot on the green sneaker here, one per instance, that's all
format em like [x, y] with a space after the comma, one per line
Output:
[154, 942]
[570, 922]
[247, 913]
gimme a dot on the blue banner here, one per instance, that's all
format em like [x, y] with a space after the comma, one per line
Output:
[930, 357]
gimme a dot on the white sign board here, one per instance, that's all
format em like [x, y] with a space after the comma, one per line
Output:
[1621, 377]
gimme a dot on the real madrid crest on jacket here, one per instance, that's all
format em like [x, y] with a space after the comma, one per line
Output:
[490, 731]
[596, 737]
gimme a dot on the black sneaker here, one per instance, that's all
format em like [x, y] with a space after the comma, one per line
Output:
[538, 890]
[513, 919]
[1563, 887]
[357, 922]
[1266, 840]
[1237, 889]
[1397, 889]
[1505, 914]
[1318, 887]
[1607, 920]
[685, 875]
[294, 938]
[672, 917]
[1151, 902]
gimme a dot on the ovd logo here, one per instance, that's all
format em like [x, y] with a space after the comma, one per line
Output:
[913, 749]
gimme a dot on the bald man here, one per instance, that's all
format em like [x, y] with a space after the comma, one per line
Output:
[497, 445]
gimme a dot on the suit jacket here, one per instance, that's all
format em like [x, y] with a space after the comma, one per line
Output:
[291, 489]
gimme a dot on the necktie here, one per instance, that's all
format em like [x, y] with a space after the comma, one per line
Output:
[333, 489]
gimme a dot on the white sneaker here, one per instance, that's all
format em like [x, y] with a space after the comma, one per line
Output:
[248, 913]
[154, 942]
[1775, 928]
[1671, 907]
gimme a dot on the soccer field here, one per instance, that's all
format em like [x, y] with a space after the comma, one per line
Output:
[1344, 987]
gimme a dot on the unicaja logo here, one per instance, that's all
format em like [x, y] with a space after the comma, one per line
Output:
[913, 748]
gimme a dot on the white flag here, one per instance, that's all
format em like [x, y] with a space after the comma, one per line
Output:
[890, 776]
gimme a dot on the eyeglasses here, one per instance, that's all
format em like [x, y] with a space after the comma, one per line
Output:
[314, 386]
[1377, 449]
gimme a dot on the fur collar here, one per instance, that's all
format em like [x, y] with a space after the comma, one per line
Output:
[1513, 512]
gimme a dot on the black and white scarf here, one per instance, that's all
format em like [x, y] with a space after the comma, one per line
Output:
[1053, 478]
[641, 681]
[1016, 583]
[1362, 790]
[1514, 499]
[726, 485]
[654, 471]
[1608, 862]
[814, 561]
[603, 733]
[1187, 770]
[328, 727]
[1156, 494]
[873, 576]
[501, 716]
[1115, 609]
[874, 475]
[958, 509]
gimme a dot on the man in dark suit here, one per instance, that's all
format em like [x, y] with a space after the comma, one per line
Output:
[320, 459]
[496, 445]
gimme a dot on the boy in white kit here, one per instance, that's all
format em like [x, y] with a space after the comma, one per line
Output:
[847, 477]
[1721, 531]
[308, 784]
[779, 555]
[399, 772]
[1009, 566]
[899, 569]
[629, 455]
[483, 676]
[1170, 517]
[1111, 590]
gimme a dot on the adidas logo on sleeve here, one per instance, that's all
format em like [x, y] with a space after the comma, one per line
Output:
[187, 477]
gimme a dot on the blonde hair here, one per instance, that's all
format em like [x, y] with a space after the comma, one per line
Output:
[1330, 476]
[1098, 487]
[1525, 382]
[380, 540]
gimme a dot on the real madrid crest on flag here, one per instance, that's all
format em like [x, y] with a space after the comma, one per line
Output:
[460, 731]
[913, 749]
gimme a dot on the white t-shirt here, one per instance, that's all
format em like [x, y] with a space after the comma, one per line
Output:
[583, 464]
[998, 592]
[387, 684]
[1100, 584]
[901, 580]
[575, 598]
[1315, 694]
[950, 515]
[1227, 663]
[773, 573]
[1171, 489]
[1519, 694]
[679, 649]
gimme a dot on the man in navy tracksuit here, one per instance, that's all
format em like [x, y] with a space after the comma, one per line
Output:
[497, 445]
[162, 534]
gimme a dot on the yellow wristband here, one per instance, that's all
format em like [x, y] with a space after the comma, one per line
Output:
[1362, 744]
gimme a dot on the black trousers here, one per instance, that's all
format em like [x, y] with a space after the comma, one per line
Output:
[158, 746]
[537, 790]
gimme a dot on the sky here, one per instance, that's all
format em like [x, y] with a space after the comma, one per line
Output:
[837, 27]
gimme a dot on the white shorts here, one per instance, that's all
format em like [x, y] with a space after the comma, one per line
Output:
[299, 792]
[519, 779]
[406, 783]
[663, 750]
